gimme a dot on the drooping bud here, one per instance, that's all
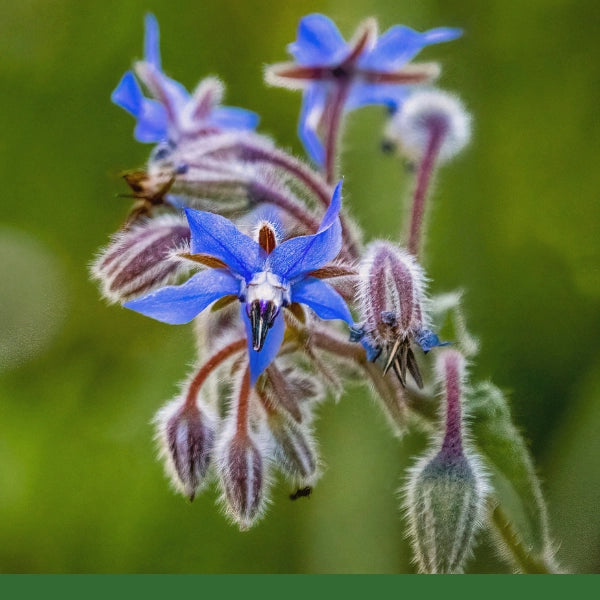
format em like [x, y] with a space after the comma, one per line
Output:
[294, 449]
[140, 259]
[242, 471]
[446, 490]
[430, 114]
[242, 476]
[186, 435]
[392, 304]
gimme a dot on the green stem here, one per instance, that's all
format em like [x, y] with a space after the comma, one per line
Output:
[524, 560]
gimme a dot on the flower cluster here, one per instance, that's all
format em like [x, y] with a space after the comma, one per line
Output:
[254, 246]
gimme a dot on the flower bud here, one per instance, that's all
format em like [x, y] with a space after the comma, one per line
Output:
[139, 259]
[391, 299]
[294, 448]
[242, 477]
[187, 436]
[445, 493]
[425, 115]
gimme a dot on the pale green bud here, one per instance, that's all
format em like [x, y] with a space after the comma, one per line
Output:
[446, 489]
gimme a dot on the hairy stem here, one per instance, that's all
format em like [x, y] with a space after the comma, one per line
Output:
[424, 177]
[523, 559]
[335, 113]
[243, 405]
[208, 367]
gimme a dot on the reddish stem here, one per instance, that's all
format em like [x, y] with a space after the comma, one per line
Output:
[434, 143]
[208, 367]
[334, 116]
[243, 405]
[452, 444]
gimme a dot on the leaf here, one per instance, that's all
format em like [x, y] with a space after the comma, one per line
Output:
[520, 516]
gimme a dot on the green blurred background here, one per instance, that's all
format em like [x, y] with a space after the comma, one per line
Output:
[516, 224]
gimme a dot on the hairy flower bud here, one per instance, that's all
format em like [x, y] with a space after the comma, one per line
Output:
[139, 259]
[445, 493]
[294, 448]
[186, 435]
[430, 114]
[242, 477]
[391, 299]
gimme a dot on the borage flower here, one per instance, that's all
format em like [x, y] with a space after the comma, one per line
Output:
[174, 114]
[338, 76]
[264, 276]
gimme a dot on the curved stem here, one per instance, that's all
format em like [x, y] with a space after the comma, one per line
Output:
[243, 405]
[423, 180]
[334, 114]
[524, 560]
[208, 367]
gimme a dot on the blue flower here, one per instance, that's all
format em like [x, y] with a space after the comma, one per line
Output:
[174, 113]
[368, 70]
[266, 277]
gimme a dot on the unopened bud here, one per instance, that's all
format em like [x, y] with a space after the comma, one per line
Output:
[139, 259]
[242, 476]
[391, 299]
[430, 114]
[446, 490]
[294, 448]
[187, 436]
[391, 292]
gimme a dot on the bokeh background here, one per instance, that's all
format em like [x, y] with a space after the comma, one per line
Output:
[515, 224]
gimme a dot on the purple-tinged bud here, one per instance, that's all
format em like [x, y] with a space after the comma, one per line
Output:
[391, 293]
[392, 306]
[140, 259]
[240, 465]
[446, 490]
[242, 476]
[426, 114]
[186, 435]
[294, 449]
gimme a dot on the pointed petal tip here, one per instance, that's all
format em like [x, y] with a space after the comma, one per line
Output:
[128, 94]
[152, 40]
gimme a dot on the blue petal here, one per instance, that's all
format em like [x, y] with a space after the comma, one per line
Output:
[128, 94]
[314, 99]
[333, 210]
[152, 41]
[152, 122]
[177, 304]
[428, 340]
[259, 361]
[231, 117]
[388, 94]
[322, 298]
[215, 235]
[400, 43]
[305, 253]
[318, 42]
[169, 92]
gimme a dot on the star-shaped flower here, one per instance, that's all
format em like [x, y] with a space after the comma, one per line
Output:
[173, 113]
[336, 74]
[265, 277]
